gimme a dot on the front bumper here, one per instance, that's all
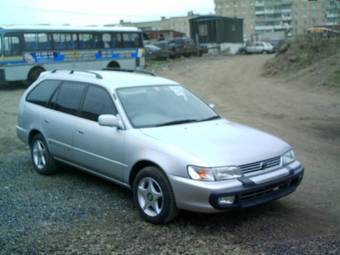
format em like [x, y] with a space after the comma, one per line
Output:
[248, 191]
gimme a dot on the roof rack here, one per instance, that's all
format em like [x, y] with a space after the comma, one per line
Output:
[98, 76]
[117, 69]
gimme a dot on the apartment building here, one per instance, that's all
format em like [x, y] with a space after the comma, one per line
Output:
[244, 9]
[333, 12]
[285, 17]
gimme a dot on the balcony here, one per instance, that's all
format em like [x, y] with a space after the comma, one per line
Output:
[275, 11]
[333, 15]
[272, 28]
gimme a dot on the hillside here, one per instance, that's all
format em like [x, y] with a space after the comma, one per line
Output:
[317, 59]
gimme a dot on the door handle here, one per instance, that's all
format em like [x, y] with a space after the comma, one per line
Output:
[80, 132]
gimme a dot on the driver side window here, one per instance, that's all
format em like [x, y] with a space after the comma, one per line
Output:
[97, 102]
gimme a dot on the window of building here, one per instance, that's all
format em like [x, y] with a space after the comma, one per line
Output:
[203, 30]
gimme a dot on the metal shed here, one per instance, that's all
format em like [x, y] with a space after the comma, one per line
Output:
[216, 29]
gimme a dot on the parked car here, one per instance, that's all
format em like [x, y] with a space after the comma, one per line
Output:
[259, 48]
[277, 44]
[156, 53]
[155, 137]
[187, 47]
[169, 47]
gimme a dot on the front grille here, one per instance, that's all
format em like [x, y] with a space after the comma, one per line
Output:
[270, 190]
[260, 165]
[263, 192]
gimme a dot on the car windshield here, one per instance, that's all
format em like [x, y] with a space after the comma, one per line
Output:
[152, 47]
[154, 106]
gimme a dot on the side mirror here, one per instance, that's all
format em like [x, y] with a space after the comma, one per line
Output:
[212, 106]
[109, 120]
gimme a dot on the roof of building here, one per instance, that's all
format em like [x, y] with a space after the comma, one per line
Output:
[213, 17]
[67, 28]
[111, 80]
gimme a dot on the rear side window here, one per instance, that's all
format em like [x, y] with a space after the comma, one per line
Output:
[97, 101]
[86, 41]
[65, 41]
[132, 40]
[69, 97]
[12, 45]
[37, 41]
[117, 40]
[42, 93]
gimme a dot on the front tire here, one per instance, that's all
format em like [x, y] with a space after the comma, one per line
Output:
[43, 161]
[153, 196]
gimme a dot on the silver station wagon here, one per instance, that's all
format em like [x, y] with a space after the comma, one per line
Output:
[156, 138]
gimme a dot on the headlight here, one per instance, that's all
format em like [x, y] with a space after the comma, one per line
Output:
[214, 173]
[288, 157]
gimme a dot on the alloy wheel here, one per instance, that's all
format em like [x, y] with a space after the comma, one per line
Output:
[150, 196]
[39, 154]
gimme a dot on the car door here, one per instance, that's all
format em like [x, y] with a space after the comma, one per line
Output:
[99, 148]
[251, 48]
[259, 47]
[59, 122]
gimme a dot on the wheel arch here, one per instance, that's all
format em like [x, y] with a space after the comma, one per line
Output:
[32, 134]
[139, 165]
[113, 64]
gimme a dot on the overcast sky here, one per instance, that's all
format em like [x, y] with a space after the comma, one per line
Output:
[97, 12]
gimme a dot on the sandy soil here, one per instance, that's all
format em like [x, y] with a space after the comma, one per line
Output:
[306, 115]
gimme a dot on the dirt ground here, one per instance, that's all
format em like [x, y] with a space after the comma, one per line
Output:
[306, 115]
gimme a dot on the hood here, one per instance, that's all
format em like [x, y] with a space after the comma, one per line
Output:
[220, 142]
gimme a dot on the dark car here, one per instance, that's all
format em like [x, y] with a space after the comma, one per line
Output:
[154, 52]
[174, 52]
[277, 44]
[187, 47]
[184, 45]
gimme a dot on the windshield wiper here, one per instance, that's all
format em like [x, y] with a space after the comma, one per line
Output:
[211, 118]
[175, 122]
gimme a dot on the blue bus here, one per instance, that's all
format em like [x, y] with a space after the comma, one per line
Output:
[27, 51]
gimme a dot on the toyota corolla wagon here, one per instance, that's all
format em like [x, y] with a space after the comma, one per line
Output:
[155, 137]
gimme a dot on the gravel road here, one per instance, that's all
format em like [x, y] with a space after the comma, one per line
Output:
[75, 213]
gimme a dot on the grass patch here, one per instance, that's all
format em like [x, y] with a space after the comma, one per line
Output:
[301, 53]
[335, 81]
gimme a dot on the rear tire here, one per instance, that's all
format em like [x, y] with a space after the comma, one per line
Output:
[43, 161]
[153, 196]
[113, 65]
[34, 74]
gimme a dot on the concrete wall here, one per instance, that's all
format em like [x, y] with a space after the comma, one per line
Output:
[180, 24]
